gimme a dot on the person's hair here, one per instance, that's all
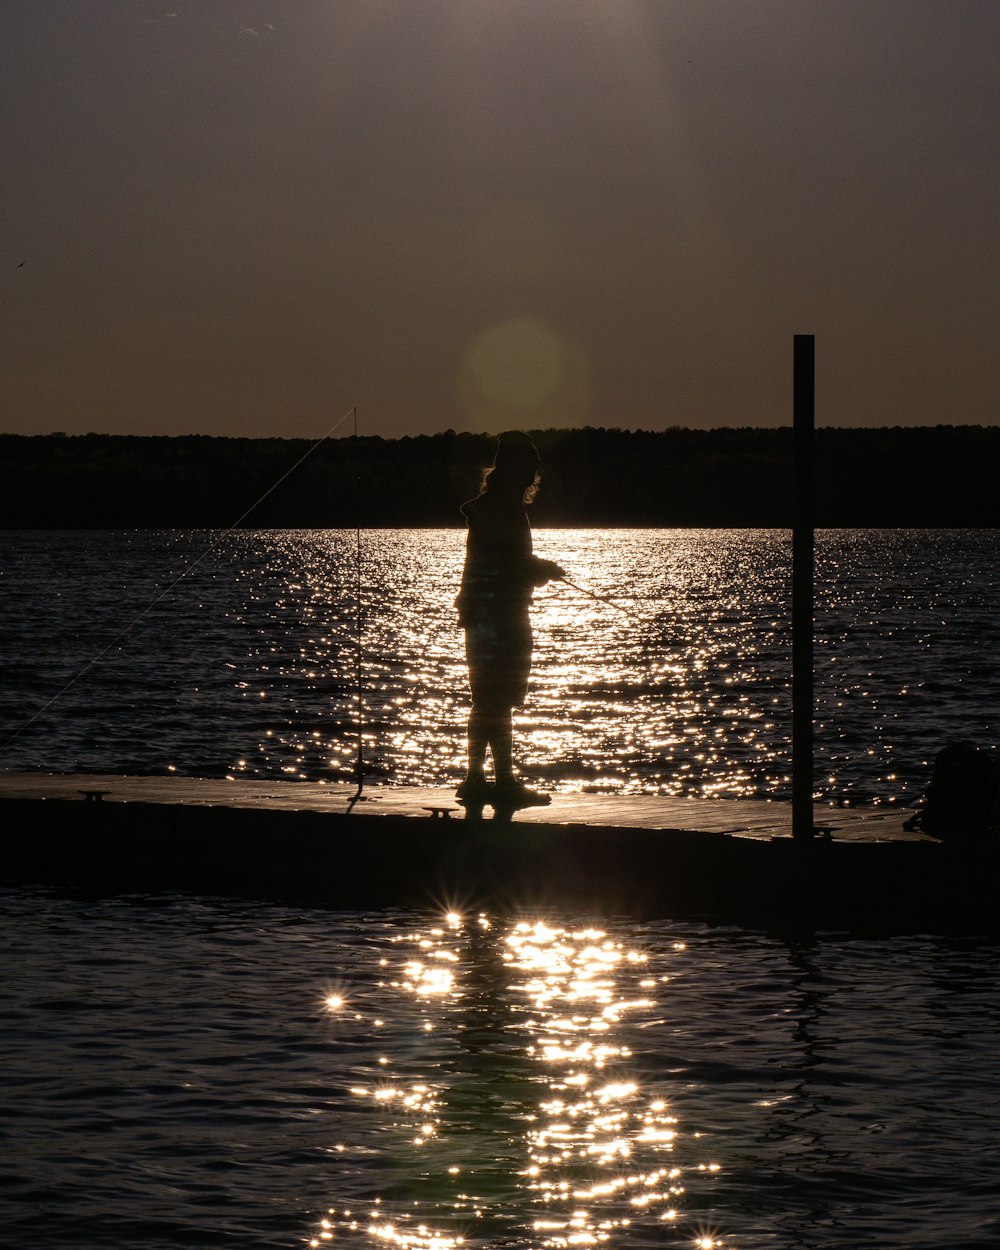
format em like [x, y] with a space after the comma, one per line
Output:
[508, 477]
[515, 466]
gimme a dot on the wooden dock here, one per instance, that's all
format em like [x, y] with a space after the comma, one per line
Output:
[716, 859]
[736, 817]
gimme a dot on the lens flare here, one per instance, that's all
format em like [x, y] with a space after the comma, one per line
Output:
[523, 371]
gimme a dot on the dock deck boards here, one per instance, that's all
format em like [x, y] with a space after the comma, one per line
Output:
[744, 818]
[724, 860]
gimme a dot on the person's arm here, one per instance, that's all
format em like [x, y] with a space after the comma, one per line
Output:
[543, 571]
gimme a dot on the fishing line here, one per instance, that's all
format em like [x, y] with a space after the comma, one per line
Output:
[645, 622]
[176, 582]
[644, 626]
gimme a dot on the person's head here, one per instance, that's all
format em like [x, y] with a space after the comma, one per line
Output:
[515, 467]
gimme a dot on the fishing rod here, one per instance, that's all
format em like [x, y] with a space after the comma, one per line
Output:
[161, 595]
[602, 599]
[644, 624]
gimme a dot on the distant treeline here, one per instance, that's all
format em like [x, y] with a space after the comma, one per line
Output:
[928, 476]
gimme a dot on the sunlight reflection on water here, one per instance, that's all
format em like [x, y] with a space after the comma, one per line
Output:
[546, 1133]
[183, 1071]
[680, 688]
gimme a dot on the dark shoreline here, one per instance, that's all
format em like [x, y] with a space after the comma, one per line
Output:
[925, 477]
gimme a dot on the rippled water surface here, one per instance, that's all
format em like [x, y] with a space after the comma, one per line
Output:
[250, 666]
[186, 1072]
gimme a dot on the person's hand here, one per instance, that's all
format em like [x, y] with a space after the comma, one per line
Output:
[554, 572]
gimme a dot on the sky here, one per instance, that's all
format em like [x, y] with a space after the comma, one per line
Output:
[247, 217]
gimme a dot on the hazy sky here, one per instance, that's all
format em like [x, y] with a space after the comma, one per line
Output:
[248, 216]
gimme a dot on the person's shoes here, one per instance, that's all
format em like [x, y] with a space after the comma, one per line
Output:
[475, 788]
[517, 794]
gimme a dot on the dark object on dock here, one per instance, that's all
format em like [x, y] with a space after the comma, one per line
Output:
[93, 796]
[963, 799]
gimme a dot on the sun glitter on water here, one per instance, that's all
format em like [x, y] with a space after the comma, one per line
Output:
[523, 1113]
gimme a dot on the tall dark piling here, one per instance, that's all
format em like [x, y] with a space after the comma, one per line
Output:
[803, 546]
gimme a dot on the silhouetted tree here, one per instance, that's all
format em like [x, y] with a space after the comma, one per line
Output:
[927, 476]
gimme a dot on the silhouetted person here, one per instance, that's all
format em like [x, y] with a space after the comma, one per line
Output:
[493, 608]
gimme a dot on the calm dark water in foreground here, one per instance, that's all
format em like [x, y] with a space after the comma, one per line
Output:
[187, 1072]
[250, 666]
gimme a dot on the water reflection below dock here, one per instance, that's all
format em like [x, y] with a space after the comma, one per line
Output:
[540, 1124]
[188, 1071]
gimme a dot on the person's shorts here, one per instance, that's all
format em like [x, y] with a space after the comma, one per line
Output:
[498, 650]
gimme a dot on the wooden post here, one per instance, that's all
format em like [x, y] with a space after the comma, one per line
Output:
[803, 523]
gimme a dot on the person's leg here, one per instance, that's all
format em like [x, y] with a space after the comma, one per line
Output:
[499, 656]
[510, 793]
[479, 648]
[481, 731]
[501, 740]
[478, 743]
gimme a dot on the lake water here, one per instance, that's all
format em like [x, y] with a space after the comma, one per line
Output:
[195, 1072]
[184, 1072]
[250, 666]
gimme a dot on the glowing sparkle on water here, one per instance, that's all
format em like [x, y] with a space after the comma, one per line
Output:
[538, 1021]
